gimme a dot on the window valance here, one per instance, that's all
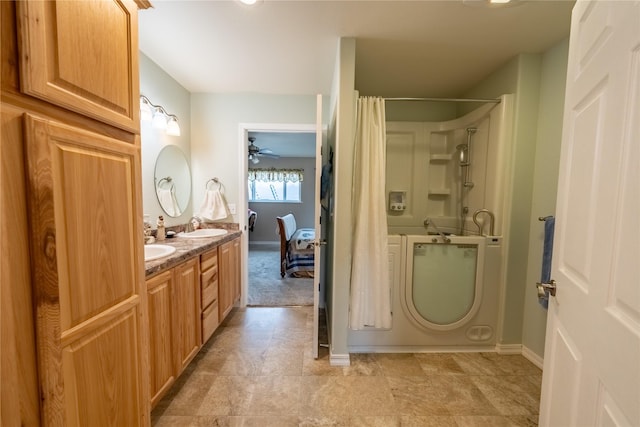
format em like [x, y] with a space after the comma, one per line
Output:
[273, 174]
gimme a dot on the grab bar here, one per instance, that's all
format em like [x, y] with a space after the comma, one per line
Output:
[491, 222]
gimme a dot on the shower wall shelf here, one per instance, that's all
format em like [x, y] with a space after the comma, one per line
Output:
[440, 192]
[441, 157]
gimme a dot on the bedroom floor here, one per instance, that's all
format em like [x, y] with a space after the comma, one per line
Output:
[266, 287]
[257, 370]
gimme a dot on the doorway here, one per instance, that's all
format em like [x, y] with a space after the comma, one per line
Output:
[280, 180]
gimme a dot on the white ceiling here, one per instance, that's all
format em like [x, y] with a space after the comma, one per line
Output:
[404, 48]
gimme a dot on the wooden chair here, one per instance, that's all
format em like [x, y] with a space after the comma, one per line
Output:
[286, 228]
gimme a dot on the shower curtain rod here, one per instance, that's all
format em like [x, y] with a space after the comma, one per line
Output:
[492, 100]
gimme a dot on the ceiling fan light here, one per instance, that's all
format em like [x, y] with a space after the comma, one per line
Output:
[255, 160]
[173, 128]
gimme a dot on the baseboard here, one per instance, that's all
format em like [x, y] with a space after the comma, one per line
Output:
[532, 357]
[339, 359]
[509, 348]
[264, 243]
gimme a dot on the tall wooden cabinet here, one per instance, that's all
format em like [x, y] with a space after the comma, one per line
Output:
[70, 98]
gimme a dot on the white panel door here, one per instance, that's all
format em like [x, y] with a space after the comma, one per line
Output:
[318, 265]
[592, 355]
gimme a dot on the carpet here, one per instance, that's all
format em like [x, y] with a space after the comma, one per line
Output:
[267, 288]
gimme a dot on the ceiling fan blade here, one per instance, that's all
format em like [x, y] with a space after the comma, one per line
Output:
[270, 155]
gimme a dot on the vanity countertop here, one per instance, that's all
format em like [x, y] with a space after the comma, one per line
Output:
[185, 249]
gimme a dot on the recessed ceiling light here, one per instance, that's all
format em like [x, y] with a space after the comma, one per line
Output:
[499, 1]
[249, 2]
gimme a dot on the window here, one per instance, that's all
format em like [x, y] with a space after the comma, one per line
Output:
[275, 185]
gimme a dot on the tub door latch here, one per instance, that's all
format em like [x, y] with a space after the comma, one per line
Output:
[543, 288]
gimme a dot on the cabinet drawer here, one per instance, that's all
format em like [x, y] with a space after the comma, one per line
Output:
[209, 259]
[209, 321]
[209, 283]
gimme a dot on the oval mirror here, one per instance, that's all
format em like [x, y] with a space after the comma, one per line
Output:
[172, 179]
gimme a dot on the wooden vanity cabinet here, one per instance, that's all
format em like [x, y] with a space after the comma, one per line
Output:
[209, 293]
[187, 311]
[161, 338]
[229, 282]
[183, 305]
[173, 298]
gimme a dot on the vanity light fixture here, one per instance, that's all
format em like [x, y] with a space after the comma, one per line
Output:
[159, 117]
[159, 120]
[173, 128]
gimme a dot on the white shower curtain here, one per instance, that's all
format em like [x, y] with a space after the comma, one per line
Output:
[370, 302]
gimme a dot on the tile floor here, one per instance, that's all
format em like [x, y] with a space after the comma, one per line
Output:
[257, 370]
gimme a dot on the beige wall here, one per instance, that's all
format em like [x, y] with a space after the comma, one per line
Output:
[538, 83]
[545, 182]
[216, 147]
[162, 89]
[341, 134]
[521, 76]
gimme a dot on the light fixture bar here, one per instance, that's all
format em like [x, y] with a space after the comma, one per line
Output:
[160, 118]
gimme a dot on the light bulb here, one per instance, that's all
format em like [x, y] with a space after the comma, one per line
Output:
[173, 128]
[159, 120]
[145, 110]
[255, 160]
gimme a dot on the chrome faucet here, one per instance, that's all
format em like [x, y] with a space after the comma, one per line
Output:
[481, 226]
[429, 222]
[195, 222]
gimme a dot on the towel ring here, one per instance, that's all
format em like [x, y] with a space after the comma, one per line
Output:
[168, 179]
[215, 181]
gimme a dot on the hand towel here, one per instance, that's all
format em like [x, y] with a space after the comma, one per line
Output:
[167, 199]
[547, 254]
[214, 206]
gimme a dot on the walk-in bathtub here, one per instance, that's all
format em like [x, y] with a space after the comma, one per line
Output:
[453, 177]
[445, 295]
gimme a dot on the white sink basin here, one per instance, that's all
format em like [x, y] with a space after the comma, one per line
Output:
[152, 252]
[203, 232]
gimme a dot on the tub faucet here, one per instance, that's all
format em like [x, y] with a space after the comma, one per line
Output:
[491, 220]
[429, 222]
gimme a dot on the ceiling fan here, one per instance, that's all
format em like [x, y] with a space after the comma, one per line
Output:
[256, 152]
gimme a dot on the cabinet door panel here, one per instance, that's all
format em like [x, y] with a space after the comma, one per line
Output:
[96, 212]
[82, 56]
[160, 295]
[97, 371]
[187, 312]
[225, 280]
[86, 219]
